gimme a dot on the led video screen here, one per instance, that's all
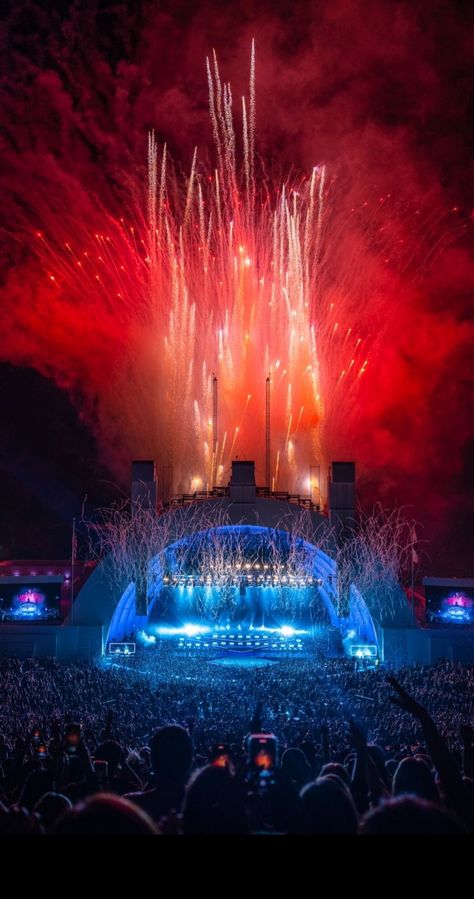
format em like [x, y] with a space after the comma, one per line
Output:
[449, 605]
[29, 602]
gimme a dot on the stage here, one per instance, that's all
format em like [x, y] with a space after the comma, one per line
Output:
[246, 662]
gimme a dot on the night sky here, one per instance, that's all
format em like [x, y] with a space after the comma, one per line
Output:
[380, 91]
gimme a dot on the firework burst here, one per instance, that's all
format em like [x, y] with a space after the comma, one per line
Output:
[219, 281]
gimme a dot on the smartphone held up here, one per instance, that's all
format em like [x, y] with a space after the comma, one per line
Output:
[72, 737]
[262, 759]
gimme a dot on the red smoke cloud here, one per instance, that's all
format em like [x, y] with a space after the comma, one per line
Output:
[377, 91]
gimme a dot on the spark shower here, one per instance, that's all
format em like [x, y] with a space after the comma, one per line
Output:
[226, 277]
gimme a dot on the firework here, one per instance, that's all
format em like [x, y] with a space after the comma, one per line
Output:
[223, 278]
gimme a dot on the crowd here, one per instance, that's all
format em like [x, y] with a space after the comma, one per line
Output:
[161, 744]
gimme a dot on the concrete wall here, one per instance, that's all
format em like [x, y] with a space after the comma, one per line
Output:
[24, 641]
[405, 646]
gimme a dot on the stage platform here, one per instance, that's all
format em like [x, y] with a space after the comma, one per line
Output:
[243, 662]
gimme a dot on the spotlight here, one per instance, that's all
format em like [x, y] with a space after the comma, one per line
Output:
[191, 630]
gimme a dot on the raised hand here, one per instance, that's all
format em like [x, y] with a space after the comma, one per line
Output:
[325, 742]
[404, 700]
[256, 722]
[357, 736]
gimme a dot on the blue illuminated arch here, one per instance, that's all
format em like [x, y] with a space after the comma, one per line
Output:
[124, 619]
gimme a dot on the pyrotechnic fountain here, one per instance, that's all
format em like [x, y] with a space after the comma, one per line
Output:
[225, 281]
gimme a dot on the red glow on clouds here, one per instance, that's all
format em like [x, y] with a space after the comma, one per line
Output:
[381, 104]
